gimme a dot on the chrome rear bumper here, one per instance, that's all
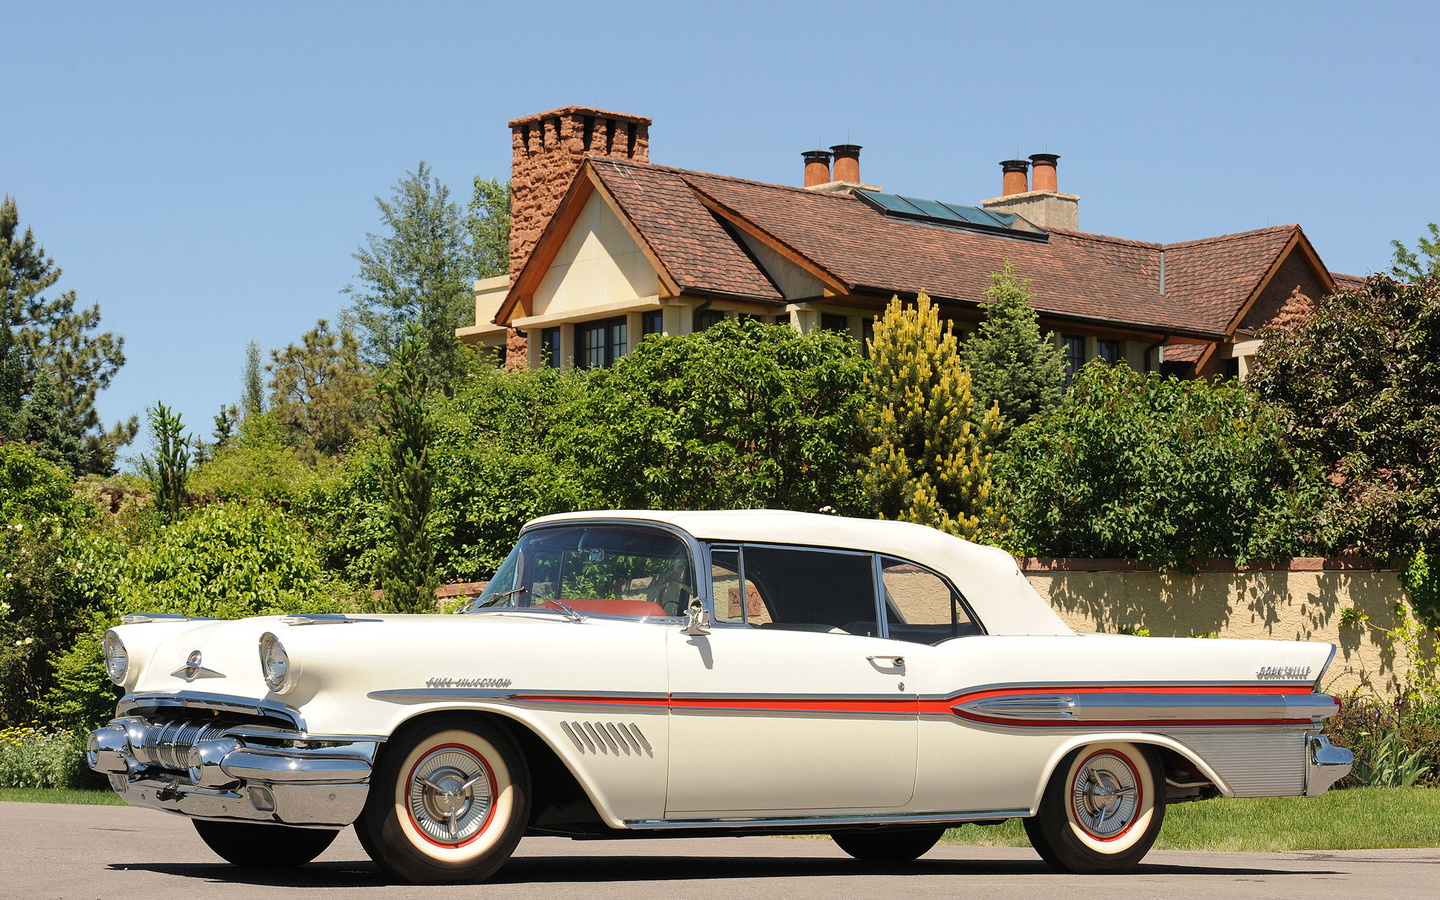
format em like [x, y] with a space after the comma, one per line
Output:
[214, 771]
[1325, 764]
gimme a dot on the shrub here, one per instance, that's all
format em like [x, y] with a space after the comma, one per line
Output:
[1396, 744]
[1159, 470]
[36, 758]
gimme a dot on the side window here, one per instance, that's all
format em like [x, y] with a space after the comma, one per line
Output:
[920, 606]
[795, 588]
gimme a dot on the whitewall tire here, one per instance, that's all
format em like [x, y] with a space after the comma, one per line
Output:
[1101, 811]
[448, 802]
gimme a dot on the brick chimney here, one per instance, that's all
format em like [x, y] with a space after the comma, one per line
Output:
[1040, 202]
[548, 149]
[817, 167]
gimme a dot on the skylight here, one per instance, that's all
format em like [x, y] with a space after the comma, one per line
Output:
[953, 215]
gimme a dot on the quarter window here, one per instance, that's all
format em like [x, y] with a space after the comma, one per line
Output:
[921, 607]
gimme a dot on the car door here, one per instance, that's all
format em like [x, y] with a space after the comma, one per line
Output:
[791, 702]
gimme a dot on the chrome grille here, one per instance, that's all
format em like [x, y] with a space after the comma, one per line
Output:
[609, 738]
[167, 744]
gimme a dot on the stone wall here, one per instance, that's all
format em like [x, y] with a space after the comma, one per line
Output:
[1301, 600]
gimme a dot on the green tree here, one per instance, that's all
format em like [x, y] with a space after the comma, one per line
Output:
[56, 338]
[168, 469]
[930, 459]
[1421, 263]
[40, 591]
[487, 222]
[1159, 470]
[738, 415]
[1358, 384]
[320, 391]
[415, 272]
[1010, 362]
[409, 577]
[252, 389]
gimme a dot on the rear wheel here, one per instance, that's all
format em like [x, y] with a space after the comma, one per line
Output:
[888, 845]
[1101, 811]
[448, 802]
[255, 846]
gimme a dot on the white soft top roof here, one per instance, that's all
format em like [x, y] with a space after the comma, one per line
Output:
[987, 576]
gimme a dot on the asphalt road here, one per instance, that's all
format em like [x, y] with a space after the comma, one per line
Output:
[115, 853]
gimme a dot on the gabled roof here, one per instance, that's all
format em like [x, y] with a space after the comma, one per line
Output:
[689, 222]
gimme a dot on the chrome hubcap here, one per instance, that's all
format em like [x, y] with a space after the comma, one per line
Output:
[1105, 795]
[450, 795]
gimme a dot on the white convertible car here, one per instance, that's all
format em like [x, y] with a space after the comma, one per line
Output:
[704, 673]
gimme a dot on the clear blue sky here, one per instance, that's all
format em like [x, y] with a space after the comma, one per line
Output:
[206, 170]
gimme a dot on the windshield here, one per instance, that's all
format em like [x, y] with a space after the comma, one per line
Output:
[625, 570]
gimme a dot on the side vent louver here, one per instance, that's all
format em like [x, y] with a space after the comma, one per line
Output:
[608, 738]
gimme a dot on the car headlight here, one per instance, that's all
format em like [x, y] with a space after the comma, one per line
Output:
[274, 663]
[117, 661]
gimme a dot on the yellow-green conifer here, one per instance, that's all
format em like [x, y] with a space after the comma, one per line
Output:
[930, 459]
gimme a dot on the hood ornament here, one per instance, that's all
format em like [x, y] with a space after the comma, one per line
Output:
[193, 669]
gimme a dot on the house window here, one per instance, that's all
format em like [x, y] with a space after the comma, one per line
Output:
[867, 335]
[750, 317]
[550, 347]
[599, 344]
[704, 318]
[837, 323]
[652, 323]
[1109, 351]
[1074, 350]
[1232, 369]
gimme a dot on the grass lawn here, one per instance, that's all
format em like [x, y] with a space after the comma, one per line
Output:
[1353, 819]
[106, 797]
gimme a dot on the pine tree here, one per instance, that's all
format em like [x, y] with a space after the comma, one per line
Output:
[416, 272]
[320, 391]
[930, 462]
[409, 576]
[1010, 362]
[43, 421]
[252, 393]
[56, 338]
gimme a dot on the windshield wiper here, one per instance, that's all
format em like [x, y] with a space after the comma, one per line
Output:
[573, 615]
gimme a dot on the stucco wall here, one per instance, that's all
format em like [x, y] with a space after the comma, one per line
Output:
[1279, 604]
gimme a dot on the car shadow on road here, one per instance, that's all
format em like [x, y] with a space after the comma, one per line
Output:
[593, 869]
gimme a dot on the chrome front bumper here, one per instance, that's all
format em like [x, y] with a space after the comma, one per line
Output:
[237, 772]
[1325, 764]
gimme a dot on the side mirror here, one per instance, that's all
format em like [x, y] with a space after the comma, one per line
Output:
[698, 619]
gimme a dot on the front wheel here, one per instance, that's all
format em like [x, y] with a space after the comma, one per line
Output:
[256, 846]
[448, 802]
[888, 846]
[1101, 811]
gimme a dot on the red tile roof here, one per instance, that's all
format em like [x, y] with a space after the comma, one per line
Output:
[1074, 274]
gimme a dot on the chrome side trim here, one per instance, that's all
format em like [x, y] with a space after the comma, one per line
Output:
[605, 699]
[1152, 707]
[824, 821]
[1325, 764]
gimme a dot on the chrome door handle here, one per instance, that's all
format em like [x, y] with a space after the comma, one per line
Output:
[896, 662]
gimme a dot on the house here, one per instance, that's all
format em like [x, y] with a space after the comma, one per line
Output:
[607, 247]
